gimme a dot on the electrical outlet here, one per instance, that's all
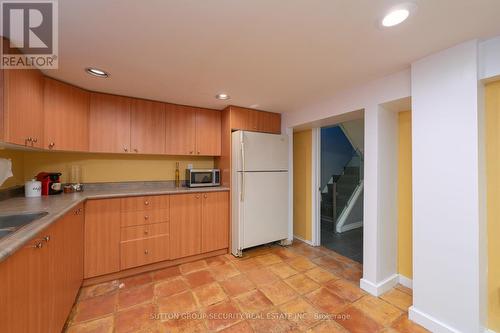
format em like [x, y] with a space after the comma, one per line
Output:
[190, 166]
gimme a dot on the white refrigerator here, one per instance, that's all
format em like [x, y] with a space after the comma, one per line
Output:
[260, 189]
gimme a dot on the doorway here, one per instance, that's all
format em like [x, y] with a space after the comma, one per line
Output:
[341, 188]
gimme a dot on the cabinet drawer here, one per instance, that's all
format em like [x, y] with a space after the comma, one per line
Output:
[144, 217]
[142, 231]
[134, 204]
[144, 251]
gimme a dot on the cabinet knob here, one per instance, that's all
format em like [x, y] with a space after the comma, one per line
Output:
[198, 153]
[146, 232]
[191, 152]
[146, 251]
[136, 150]
[197, 196]
[29, 139]
[38, 245]
[125, 149]
[46, 238]
[146, 217]
[205, 196]
[51, 145]
[146, 202]
[35, 140]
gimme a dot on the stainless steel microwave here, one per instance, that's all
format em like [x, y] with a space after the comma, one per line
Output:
[202, 177]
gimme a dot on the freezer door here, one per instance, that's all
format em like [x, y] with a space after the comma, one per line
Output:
[254, 151]
[263, 207]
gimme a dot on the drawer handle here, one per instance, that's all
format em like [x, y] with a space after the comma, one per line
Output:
[38, 245]
[146, 217]
[146, 202]
[146, 251]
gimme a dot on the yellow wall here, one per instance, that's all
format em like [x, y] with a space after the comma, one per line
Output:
[17, 168]
[302, 158]
[404, 196]
[96, 168]
[493, 199]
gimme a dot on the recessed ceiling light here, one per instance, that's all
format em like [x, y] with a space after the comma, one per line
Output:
[395, 17]
[96, 72]
[222, 96]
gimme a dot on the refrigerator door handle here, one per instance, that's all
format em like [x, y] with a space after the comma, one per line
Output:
[242, 170]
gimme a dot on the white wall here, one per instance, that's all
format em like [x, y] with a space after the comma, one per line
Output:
[447, 223]
[489, 58]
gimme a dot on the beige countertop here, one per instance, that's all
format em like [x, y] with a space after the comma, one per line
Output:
[58, 205]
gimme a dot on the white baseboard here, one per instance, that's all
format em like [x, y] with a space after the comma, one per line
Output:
[429, 322]
[380, 288]
[351, 226]
[303, 240]
[408, 283]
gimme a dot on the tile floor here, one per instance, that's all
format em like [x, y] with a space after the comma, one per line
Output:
[270, 289]
[348, 244]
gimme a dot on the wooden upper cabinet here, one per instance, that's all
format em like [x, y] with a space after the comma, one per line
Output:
[269, 122]
[147, 127]
[23, 107]
[180, 130]
[208, 132]
[254, 120]
[102, 237]
[66, 117]
[215, 221]
[109, 123]
[185, 225]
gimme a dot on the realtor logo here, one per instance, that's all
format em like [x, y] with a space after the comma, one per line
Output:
[30, 29]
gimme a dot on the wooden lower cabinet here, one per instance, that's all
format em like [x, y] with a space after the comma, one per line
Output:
[215, 221]
[102, 237]
[144, 251]
[40, 281]
[185, 225]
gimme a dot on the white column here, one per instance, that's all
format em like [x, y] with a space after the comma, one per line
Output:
[380, 194]
[448, 221]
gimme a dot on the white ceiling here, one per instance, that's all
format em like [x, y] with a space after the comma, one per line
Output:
[279, 54]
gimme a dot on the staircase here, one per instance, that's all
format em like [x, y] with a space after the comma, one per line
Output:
[339, 190]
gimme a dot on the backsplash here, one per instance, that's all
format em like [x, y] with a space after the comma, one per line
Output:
[99, 168]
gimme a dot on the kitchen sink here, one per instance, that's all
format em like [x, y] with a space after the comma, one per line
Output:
[12, 222]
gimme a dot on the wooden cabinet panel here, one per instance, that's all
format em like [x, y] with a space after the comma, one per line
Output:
[215, 221]
[65, 250]
[147, 131]
[144, 251]
[23, 107]
[109, 123]
[142, 231]
[269, 122]
[150, 202]
[185, 225]
[24, 295]
[102, 237]
[181, 130]
[144, 217]
[66, 117]
[238, 118]
[208, 132]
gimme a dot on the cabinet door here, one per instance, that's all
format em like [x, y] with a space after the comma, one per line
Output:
[23, 100]
[269, 122]
[185, 225]
[215, 221]
[66, 117]
[238, 118]
[181, 130]
[102, 237]
[109, 123]
[208, 132]
[25, 295]
[147, 129]
[65, 250]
